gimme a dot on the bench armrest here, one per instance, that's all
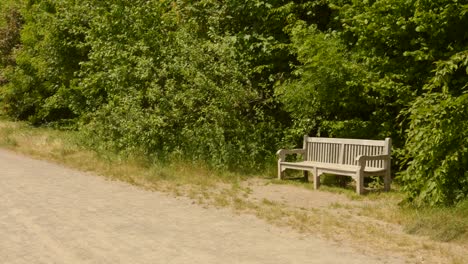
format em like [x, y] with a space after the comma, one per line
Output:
[283, 152]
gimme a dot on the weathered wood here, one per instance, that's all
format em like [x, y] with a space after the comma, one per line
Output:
[357, 158]
[316, 179]
[387, 178]
[367, 142]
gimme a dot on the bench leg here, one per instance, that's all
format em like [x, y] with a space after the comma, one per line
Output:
[316, 179]
[306, 176]
[359, 183]
[280, 172]
[387, 180]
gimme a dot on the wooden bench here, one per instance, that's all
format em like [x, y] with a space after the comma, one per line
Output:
[350, 157]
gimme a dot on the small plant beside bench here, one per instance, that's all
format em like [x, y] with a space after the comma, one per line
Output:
[357, 158]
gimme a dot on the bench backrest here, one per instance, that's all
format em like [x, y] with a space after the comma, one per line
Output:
[344, 151]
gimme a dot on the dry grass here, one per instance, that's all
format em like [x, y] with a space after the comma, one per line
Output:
[373, 223]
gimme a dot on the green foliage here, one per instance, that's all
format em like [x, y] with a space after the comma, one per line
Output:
[437, 146]
[399, 42]
[183, 95]
[10, 26]
[323, 98]
[193, 102]
[9, 36]
[45, 65]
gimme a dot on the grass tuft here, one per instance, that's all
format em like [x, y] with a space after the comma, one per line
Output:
[441, 224]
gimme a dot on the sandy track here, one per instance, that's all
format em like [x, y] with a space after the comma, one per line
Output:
[51, 214]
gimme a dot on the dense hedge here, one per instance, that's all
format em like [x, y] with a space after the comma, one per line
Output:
[229, 82]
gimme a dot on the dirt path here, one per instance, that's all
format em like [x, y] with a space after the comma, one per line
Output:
[51, 214]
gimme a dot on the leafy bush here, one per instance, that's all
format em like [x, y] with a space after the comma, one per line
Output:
[45, 64]
[323, 98]
[9, 35]
[437, 145]
[169, 92]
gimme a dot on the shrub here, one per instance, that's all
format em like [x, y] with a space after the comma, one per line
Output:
[437, 146]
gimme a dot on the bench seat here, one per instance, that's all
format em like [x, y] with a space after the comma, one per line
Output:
[347, 169]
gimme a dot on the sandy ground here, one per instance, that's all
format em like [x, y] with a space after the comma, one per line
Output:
[293, 196]
[51, 214]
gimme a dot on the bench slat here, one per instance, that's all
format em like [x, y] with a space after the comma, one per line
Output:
[311, 165]
[347, 141]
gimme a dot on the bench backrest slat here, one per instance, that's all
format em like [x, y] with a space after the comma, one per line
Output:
[344, 151]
